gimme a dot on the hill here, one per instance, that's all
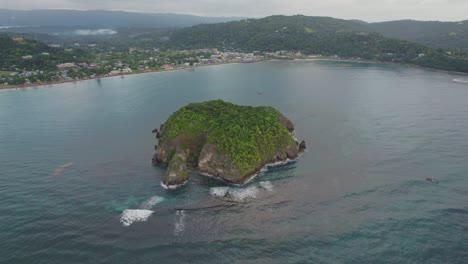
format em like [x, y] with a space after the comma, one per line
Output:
[23, 53]
[435, 34]
[310, 35]
[77, 23]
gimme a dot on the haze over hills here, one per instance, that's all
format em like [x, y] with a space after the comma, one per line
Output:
[434, 34]
[101, 19]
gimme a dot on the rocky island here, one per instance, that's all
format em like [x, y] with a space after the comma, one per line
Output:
[224, 140]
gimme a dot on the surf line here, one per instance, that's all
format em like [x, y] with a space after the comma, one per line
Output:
[60, 168]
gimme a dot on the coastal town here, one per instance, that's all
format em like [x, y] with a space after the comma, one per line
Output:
[108, 63]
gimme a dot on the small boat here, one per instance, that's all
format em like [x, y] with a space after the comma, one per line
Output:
[432, 180]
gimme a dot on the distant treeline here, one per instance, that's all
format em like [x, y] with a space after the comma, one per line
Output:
[310, 35]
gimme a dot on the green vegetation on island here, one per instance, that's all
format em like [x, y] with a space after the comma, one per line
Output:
[244, 133]
[226, 140]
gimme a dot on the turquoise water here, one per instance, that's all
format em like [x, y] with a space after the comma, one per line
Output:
[73, 157]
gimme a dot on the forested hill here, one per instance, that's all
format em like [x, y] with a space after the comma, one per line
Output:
[435, 34]
[310, 35]
[22, 53]
[268, 34]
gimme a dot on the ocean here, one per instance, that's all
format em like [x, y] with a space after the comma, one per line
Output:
[78, 185]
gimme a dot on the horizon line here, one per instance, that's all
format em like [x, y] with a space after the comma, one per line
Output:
[239, 17]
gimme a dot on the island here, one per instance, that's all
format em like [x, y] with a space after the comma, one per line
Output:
[224, 140]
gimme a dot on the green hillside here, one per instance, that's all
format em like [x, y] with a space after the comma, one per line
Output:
[310, 35]
[435, 34]
[22, 53]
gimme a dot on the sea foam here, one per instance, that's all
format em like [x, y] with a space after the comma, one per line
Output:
[267, 185]
[242, 194]
[172, 187]
[129, 216]
[461, 80]
[179, 225]
[149, 203]
[219, 191]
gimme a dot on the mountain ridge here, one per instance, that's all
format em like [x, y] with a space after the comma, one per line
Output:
[310, 35]
[101, 18]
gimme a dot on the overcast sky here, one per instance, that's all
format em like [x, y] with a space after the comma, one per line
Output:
[369, 10]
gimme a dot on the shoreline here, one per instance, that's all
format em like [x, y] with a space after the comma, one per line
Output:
[52, 83]
[257, 173]
[385, 63]
[38, 85]
[250, 178]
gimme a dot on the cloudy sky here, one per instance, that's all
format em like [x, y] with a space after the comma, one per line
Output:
[369, 10]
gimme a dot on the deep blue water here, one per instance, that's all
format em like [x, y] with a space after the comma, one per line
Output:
[359, 195]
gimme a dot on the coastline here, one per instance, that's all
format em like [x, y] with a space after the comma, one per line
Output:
[385, 63]
[38, 85]
[254, 175]
[43, 84]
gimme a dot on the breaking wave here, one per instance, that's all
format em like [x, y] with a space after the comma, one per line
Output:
[149, 203]
[219, 191]
[267, 185]
[461, 80]
[172, 187]
[241, 194]
[130, 216]
[272, 165]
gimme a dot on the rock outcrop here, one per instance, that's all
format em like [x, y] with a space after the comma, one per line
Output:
[176, 173]
[214, 163]
[224, 140]
[302, 146]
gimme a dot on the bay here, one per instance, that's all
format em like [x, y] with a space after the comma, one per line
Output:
[75, 156]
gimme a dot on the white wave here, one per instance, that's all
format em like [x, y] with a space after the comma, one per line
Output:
[269, 165]
[461, 80]
[172, 187]
[260, 173]
[267, 185]
[179, 224]
[241, 194]
[219, 191]
[129, 216]
[281, 163]
[149, 203]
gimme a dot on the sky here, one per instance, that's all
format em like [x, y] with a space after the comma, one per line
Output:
[368, 10]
